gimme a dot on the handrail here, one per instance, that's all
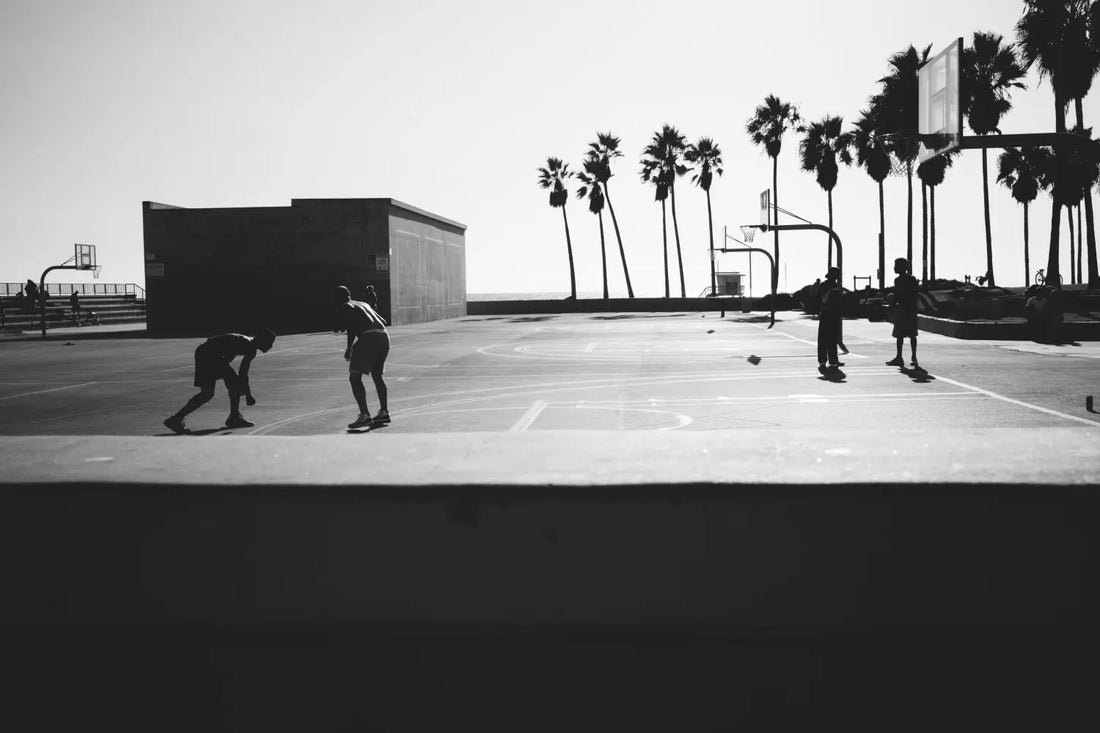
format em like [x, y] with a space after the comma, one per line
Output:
[10, 290]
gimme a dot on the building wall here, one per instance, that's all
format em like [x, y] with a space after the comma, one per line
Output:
[428, 268]
[210, 270]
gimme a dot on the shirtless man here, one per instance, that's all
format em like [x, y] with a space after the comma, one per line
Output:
[213, 362]
[368, 346]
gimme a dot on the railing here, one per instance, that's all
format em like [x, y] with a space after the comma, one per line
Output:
[10, 290]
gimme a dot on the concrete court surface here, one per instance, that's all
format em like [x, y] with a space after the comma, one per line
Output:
[468, 388]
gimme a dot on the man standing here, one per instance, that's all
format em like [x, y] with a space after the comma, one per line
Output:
[212, 362]
[829, 319]
[368, 346]
[905, 312]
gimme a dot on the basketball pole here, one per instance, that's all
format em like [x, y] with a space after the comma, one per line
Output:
[42, 288]
[775, 273]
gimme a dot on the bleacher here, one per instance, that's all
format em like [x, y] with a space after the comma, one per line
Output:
[100, 304]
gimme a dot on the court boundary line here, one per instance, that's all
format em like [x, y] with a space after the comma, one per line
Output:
[44, 391]
[1020, 403]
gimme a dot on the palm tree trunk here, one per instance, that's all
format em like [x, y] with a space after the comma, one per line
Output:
[881, 237]
[988, 228]
[676, 231]
[710, 227]
[603, 255]
[1094, 275]
[1080, 244]
[923, 233]
[569, 247]
[932, 227]
[1027, 259]
[909, 219]
[1053, 271]
[1072, 266]
[664, 237]
[622, 252]
[775, 203]
[829, 239]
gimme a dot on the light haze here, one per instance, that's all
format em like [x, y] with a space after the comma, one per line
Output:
[452, 107]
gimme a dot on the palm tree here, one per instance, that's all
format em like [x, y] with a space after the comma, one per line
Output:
[594, 193]
[899, 114]
[873, 159]
[706, 156]
[1060, 36]
[603, 151]
[989, 73]
[766, 127]
[931, 173]
[654, 172]
[825, 143]
[674, 146]
[1025, 172]
[555, 176]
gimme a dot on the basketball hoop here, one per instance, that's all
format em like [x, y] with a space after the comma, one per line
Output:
[898, 146]
[95, 271]
[748, 231]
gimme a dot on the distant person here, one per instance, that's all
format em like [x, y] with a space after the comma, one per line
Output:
[828, 320]
[368, 346]
[814, 306]
[74, 306]
[21, 301]
[905, 312]
[371, 297]
[32, 294]
[213, 360]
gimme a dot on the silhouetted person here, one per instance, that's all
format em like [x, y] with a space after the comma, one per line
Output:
[905, 312]
[32, 295]
[74, 306]
[368, 346]
[213, 360]
[371, 297]
[828, 320]
[814, 306]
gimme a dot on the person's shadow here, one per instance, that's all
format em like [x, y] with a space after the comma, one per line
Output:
[833, 374]
[918, 375]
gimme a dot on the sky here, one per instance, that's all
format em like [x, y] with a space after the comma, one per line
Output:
[452, 107]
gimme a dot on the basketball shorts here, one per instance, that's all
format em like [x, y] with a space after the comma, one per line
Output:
[369, 353]
[210, 367]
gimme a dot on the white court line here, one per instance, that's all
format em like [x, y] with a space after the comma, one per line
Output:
[44, 391]
[529, 417]
[591, 347]
[1021, 403]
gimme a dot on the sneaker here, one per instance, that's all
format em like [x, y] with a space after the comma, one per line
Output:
[382, 418]
[360, 422]
[896, 361]
[175, 424]
[836, 365]
[236, 421]
[914, 364]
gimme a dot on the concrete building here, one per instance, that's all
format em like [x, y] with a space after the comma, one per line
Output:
[238, 269]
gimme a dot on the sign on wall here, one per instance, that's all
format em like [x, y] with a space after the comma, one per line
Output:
[383, 262]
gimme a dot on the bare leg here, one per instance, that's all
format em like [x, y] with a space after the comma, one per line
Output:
[234, 399]
[360, 392]
[380, 387]
[901, 345]
[912, 347]
[195, 403]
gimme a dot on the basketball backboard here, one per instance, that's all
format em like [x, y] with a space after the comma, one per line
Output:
[939, 111]
[765, 207]
[84, 256]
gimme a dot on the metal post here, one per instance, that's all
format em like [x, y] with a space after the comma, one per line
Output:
[42, 286]
[775, 273]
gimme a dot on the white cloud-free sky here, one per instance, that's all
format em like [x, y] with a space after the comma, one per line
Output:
[452, 107]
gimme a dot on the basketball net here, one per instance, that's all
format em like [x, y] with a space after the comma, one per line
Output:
[95, 271]
[747, 233]
[898, 146]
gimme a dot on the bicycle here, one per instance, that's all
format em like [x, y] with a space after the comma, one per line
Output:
[1040, 278]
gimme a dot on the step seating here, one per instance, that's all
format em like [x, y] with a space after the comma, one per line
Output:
[108, 309]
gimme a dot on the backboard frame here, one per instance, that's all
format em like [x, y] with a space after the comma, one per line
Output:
[84, 256]
[765, 208]
[939, 103]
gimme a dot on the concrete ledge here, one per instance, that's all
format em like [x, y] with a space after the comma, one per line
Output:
[704, 581]
[1006, 329]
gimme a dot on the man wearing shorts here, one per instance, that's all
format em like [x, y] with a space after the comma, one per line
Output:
[213, 362]
[368, 346]
[905, 312]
